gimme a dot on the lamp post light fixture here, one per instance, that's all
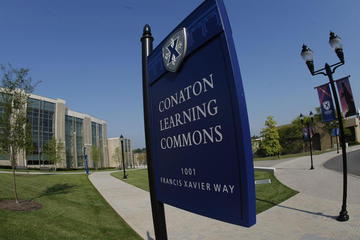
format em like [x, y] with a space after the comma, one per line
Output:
[122, 154]
[328, 70]
[309, 131]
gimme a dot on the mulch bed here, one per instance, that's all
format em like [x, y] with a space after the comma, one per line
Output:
[23, 205]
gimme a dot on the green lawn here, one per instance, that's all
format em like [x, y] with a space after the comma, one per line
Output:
[72, 209]
[59, 170]
[290, 155]
[267, 195]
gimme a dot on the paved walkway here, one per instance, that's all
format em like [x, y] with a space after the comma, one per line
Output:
[307, 216]
[271, 163]
[353, 163]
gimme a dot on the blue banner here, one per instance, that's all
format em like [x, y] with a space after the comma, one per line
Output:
[335, 132]
[201, 147]
[308, 133]
[326, 103]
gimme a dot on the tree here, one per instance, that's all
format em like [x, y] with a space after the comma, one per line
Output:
[326, 126]
[270, 145]
[142, 158]
[291, 137]
[15, 135]
[139, 150]
[53, 150]
[117, 156]
[95, 155]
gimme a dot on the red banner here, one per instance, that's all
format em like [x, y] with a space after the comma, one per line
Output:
[346, 97]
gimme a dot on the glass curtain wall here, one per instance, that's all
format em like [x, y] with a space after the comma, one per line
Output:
[97, 138]
[74, 142]
[94, 134]
[2, 155]
[41, 116]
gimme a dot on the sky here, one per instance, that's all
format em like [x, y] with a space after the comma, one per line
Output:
[88, 53]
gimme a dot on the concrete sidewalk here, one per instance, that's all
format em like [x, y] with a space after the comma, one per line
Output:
[307, 216]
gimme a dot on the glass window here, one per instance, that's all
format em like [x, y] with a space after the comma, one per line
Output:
[41, 116]
[74, 141]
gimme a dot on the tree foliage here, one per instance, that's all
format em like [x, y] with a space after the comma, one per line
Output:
[53, 150]
[270, 144]
[117, 156]
[139, 150]
[15, 131]
[95, 156]
[141, 158]
[291, 137]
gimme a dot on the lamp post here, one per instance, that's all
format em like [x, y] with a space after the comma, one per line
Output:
[40, 151]
[309, 131]
[74, 158]
[86, 163]
[122, 154]
[328, 70]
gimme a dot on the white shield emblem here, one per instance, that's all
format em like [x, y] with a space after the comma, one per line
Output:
[326, 105]
[174, 50]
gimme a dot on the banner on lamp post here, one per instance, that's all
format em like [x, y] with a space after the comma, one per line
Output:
[308, 133]
[326, 103]
[346, 97]
[335, 132]
[305, 134]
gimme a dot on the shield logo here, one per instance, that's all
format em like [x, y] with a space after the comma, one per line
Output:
[326, 105]
[174, 50]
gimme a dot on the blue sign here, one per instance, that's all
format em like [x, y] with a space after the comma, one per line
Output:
[335, 132]
[201, 147]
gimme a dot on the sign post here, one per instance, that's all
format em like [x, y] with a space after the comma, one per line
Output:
[157, 207]
[196, 124]
[335, 133]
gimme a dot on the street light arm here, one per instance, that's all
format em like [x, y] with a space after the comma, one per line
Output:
[336, 66]
[319, 72]
[322, 70]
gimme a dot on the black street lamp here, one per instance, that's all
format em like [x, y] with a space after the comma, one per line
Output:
[86, 163]
[122, 153]
[40, 152]
[328, 70]
[309, 131]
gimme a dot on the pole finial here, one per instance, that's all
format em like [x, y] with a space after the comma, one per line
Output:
[147, 30]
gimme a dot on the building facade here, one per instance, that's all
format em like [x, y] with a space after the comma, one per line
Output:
[77, 131]
[116, 146]
[140, 159]
[322, 138]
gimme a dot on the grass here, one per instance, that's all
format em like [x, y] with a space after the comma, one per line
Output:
[58, 170]
[137, 178]
[267, 195]
[72, 209]
[291, 155]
